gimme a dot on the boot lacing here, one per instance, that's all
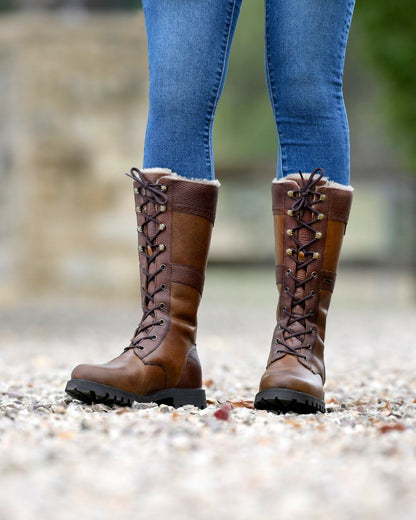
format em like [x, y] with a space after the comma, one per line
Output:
[307, 197]
[156, 195]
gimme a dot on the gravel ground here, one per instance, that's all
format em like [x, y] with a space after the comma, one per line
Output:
[60, 459]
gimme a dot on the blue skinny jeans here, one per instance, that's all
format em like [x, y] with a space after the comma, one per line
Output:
[189, 43]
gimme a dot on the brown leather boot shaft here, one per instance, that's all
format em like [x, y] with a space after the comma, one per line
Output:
[174, 232]
[310, 218]
[175, 217]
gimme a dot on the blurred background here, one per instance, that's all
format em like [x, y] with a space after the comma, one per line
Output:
[73, 108]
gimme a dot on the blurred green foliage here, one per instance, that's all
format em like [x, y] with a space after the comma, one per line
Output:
[9, 5]
[6, 5]
[388, 42]
[244, 127]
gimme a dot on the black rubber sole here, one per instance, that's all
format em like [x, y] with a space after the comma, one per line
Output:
[282, 400]
[92, 392]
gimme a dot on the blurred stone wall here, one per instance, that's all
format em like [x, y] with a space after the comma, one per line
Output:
[73, 108]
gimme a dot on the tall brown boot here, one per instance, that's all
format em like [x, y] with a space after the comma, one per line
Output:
[174, 221]
[310, 217]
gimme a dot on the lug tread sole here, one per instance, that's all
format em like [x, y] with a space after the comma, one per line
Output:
[283, 400]
[92, 392]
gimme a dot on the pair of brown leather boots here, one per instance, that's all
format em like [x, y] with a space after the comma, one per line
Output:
[175, 217]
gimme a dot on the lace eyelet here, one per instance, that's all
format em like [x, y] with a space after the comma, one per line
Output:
[277, 340]
[318, 235]
[322, 197]
[284, 308]
[289, 233]
[136, 190]
[289, 252]
[289, 271]
[162, 247]
[163, 187]
[308, 346]
[140, 347]
[162, 227]
[286, 289]
[154, 337]
[162, 306]
[163, 267]
[162, 322]
[314, 274]
[315, 256]
[321, 216]
[163, 286]
[162, 209]
[138, 209]
[139, 229]
[312, 293]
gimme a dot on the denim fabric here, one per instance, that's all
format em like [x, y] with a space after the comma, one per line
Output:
[189, 44]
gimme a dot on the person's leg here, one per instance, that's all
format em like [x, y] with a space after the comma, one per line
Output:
[188, 43]
[305, 50]
[305, 54]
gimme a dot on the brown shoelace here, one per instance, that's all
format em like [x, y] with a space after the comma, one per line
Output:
[306, 216]
[154, 196]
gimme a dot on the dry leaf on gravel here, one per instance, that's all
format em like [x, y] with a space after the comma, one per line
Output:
[332, 400]
[392, 427]
[243, 403]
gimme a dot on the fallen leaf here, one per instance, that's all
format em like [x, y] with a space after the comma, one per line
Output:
[293, 423]
[392, 427]
[243, 403]
[66, 435]
[223, 413]
[211, 401]
[208, 383]
[332, 401]
[120, 411]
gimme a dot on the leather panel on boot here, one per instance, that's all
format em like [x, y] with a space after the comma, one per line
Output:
[192, 374]
[334, 239]
[278, 239]
[173, 351]
[197, 198]
[190, 248]
[340, 203]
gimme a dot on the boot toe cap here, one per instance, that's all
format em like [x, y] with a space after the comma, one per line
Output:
[127, 372]
[298, 378]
